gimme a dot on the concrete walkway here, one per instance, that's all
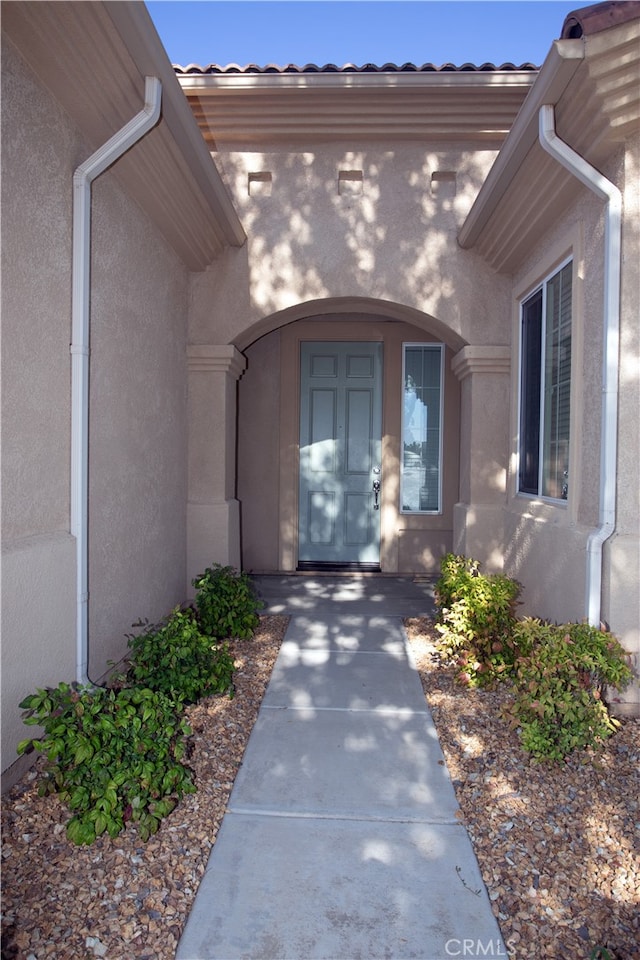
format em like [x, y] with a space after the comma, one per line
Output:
[341, 840]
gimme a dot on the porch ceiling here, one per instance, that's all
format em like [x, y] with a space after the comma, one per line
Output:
[249, 108]
[94, 58]
[594, 84]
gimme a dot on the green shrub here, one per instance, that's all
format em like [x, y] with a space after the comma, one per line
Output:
[560, 681]
[559, 673]
[113, 753]
[112, 756]
[176, 658]
[226, 604]
[476, 617]
[455, 573]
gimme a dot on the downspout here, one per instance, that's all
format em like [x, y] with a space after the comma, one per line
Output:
[608, 192]
[83, 177]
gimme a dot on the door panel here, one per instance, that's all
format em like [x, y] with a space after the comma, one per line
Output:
[340, 442]
[359, 422]
[321, 521]
[322, 430]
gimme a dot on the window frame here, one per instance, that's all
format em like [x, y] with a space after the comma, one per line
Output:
[441, 350]
[542, 288]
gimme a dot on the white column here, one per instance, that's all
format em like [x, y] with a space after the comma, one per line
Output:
[484, 451]
[213, 512]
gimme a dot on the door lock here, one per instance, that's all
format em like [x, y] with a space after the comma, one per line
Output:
[376, 487]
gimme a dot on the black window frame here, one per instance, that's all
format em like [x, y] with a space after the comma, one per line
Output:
[545, 387]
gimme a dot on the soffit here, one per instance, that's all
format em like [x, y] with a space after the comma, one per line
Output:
[93, 57]
[597, 108]
[291, 105]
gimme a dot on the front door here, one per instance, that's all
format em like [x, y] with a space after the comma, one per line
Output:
[340, 445]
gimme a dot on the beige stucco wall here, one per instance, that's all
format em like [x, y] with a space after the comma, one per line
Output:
[36, 195]
[138, 413]
[389, 237]
[485, 376]
[259, 453]
[546, 543]
[138, 427]
[38, 555]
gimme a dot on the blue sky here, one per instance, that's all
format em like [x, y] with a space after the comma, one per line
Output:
[342, 31]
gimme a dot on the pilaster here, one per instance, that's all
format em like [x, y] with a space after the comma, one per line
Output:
[213, 512]
[484, 374]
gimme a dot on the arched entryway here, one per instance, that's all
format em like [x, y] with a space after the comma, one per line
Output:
[413, 533]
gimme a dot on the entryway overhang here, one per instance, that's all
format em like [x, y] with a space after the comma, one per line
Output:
[245, 106]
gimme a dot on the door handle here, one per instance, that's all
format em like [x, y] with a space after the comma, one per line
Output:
[376, 487]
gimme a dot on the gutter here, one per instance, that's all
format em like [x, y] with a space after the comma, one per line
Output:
[83, 177]
[195, 79]
[608, 192]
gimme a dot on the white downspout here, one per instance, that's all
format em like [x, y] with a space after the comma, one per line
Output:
[608, 192]
[83, 177]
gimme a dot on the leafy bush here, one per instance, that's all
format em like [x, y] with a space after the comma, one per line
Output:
[176, 658]
[113, 753]
[476, 617]
[560, 680]
[112, 756]
[455, 573]
[559, 672]
[226, 603]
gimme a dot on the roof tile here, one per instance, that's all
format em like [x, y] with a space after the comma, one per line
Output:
[252, 68]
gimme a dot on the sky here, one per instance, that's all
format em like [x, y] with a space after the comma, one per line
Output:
[358, 31]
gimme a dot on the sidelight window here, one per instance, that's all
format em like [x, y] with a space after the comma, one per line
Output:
[421, 481]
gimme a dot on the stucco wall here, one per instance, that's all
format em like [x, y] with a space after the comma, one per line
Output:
[390, 236]
[546, 543]
[259, 453]
[138, 414]
[138, 427]
[38, 555]
[38, 151]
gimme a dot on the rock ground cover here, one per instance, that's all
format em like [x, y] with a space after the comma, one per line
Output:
[557, 844]
[120, 898]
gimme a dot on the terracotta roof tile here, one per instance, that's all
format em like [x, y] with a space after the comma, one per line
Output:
[599, 16]
[252, 68]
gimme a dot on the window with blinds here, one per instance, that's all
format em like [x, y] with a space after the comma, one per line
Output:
[545, 388]
[420, 473]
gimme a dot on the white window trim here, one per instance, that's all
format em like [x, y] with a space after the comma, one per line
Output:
[439, 511]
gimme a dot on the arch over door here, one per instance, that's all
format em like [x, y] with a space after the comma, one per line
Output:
[340, 450]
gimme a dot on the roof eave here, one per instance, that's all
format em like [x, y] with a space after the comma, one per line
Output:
[562, 62]
[340, 81]
[170, 174]
[254, 109]
[136, 28]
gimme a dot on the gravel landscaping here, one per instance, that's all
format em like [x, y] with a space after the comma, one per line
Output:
[557, 844]
[123, 899]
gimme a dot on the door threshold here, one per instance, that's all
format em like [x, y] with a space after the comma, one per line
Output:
[319, 567]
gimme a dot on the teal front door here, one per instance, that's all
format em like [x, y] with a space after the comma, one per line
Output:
[340, 445]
